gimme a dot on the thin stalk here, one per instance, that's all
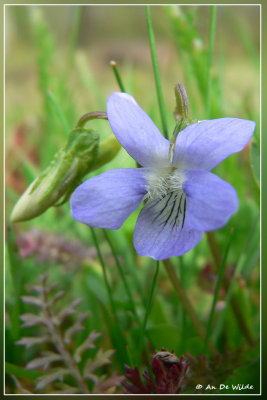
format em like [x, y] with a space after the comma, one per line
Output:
[59, 112]
[121, 272]
[244, 327]
[113, 65]
[210, 57]
[148, 309]
[197, 323]
[104, 272]
[215, 297]
[112, 303]
[156, 72]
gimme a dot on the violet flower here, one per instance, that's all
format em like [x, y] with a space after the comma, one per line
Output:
[182, 198]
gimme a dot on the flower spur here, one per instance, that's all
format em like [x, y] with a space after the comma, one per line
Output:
[182, 199]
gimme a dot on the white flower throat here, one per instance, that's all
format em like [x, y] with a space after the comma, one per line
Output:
[165, 196]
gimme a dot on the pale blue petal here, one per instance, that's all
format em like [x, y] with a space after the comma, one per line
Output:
[205, 144]
[210, 201]
[135, 131]
[159, 231]
[106, 200]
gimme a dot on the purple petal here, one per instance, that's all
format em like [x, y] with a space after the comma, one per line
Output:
[157, 234]
[210, 201]
[106, 200]
[136, 132]
[205, 144]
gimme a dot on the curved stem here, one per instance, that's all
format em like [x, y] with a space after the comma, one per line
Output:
[89, 116]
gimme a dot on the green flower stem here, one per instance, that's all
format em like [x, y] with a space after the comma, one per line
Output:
[215, 297]
[197, 323]
[156, 72]
[121, 272]
[244, 327]
[117, 75]
[210, 57]
[148, 309]
[112, 303]
[104, 272]
[127, 289]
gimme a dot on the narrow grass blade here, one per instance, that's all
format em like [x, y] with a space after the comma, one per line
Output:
[210, 57]
[156, 72]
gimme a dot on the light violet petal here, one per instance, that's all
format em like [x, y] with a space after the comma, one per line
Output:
[158, 236]
[210, 201]
[106, 200]
[205, 144]
[136, 132]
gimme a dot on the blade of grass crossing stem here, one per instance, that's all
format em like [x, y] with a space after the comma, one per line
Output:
[117, 75]
[156, 72]
[148, 309]
[216, 292]
[122, 340]
[210, 57]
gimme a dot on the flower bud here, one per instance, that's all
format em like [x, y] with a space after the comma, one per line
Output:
[81, 154]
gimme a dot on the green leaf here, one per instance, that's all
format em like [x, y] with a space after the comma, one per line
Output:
[20, 372]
